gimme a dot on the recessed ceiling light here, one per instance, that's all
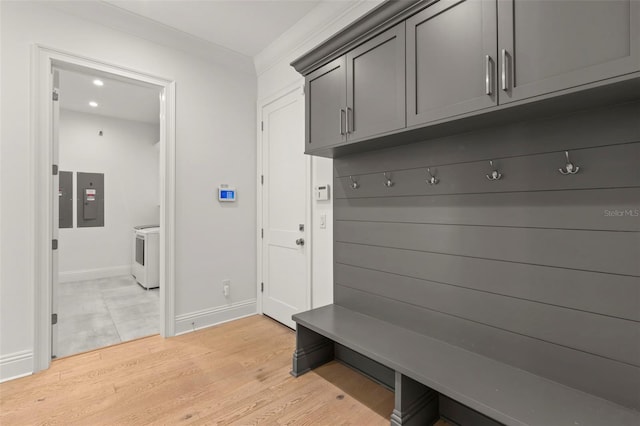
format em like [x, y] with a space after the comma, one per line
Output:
[93, 104]
[98, 82]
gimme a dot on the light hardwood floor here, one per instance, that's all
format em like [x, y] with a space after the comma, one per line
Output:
[235, 373]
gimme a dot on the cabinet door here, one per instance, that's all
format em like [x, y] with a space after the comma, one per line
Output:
[375, 85]
[546, 46]
[325, 105]
[451, 60]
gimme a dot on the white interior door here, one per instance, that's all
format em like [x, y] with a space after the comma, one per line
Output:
[55, 194]
[286, 286]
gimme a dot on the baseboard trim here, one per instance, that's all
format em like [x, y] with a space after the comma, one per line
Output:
[16, 365]
[312, 356]
[193, 321]
[377, 372]
[423, 411]
[93, 274]
[459, 414]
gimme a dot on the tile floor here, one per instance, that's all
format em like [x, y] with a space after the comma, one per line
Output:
[98, 313]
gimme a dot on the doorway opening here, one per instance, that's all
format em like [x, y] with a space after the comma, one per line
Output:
[86, 207]
[106, 144]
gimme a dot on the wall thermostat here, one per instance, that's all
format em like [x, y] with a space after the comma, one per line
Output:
[322, 192]
[226, 193]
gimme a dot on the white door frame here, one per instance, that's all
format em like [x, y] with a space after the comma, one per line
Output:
[298, 86]
[43, 59]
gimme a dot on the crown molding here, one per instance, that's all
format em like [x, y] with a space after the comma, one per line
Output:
[326, 19]
[381, 18]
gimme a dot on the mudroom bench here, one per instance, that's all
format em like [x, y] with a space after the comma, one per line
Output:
[484, 206]
[425, 367]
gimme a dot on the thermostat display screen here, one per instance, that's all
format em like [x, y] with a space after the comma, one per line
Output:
[225, 193]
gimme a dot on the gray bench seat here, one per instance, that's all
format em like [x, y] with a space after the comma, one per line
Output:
[502, 392]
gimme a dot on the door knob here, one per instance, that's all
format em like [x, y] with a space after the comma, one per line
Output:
[300, 241]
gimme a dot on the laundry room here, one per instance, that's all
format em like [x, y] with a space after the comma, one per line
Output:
[109, 211]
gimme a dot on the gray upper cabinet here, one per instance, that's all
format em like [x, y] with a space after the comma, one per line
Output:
[358, 95]
[413, 70]
[376, 85]
[325, 104]
[547, 46]
[451, 60]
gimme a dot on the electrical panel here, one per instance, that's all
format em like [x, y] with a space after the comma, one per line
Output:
[90, 199]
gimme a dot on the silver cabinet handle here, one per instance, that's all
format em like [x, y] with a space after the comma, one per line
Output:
[342, 121]
[349, 121]
[487, 75]
[504, 70]
[300, 241]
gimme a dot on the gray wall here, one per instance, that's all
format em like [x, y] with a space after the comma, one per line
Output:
[538, 270]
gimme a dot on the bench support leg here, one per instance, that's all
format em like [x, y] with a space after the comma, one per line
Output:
[312, 350]
[416, 404]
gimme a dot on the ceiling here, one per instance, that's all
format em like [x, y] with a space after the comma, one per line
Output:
[244, 26]
[119, 97]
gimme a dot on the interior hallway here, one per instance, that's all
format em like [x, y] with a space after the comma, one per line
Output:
[235, 373]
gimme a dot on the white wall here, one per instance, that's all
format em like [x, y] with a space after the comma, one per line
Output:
[129, 156]
[215, 143]
[274, 75]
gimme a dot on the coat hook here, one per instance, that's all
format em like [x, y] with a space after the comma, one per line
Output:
[432, 179]
[354, 183]
[388, 182]
[495, 174]
[569, 168]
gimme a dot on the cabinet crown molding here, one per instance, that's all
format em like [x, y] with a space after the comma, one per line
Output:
[376, 21]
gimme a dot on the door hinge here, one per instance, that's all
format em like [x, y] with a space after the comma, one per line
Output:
[261, 232]
[54, 169]
[54, 244]
[304, 89]
[55, 96]
[261, 287]
[261, 179]
[54, 319]
[262, 126]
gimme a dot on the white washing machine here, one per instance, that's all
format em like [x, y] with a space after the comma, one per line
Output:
[146, 256]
